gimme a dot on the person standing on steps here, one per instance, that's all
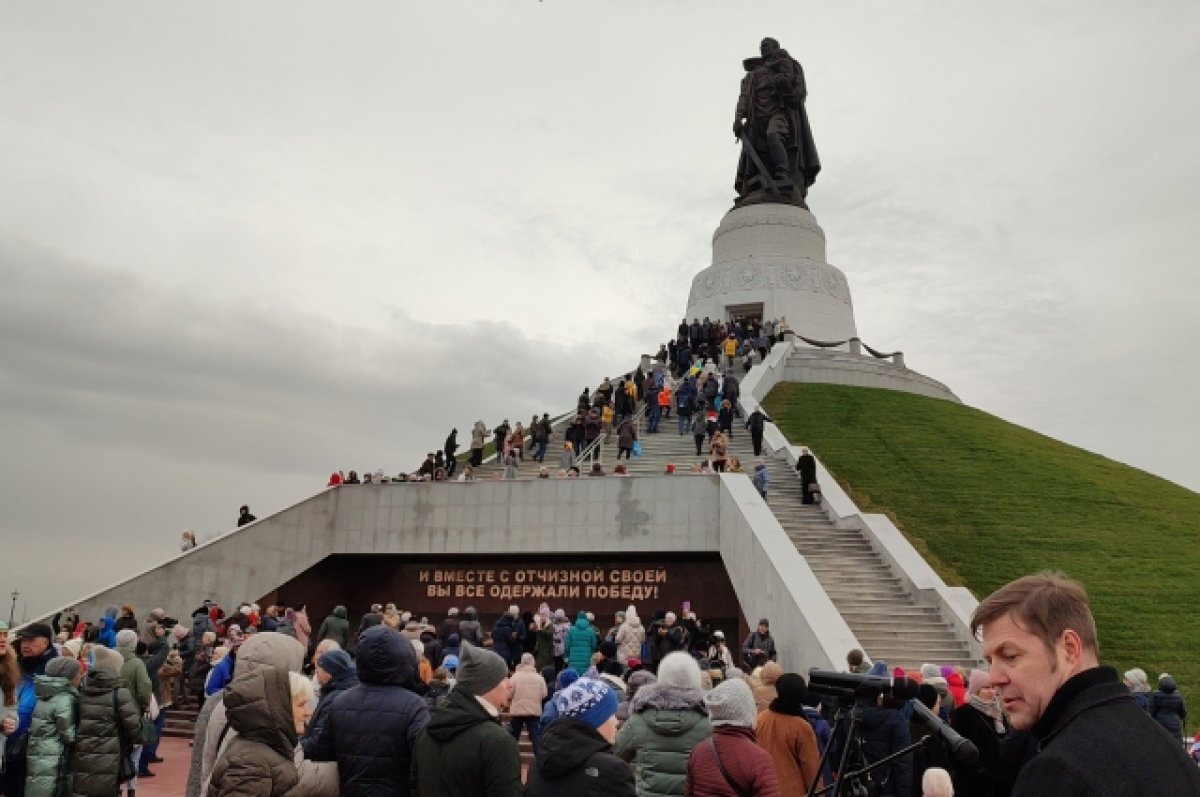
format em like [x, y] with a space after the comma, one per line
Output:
[542, 432]
[450, 447]
[806, 466]
[626, 436]
[759, 647]
[244, 516]
[479, 433]
[756, 423]
[699, 429]
[719, 449]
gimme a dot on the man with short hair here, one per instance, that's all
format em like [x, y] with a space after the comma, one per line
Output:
[759, 647]
[244, 516]
[464, 751]
[34, 652]
[1091, 738]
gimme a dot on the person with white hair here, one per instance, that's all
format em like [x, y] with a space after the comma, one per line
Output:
[1139, 686]
[936, 782]
[667, 719]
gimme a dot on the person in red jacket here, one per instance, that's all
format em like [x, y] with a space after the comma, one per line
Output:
[730, 763]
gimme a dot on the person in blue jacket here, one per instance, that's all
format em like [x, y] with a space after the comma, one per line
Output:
[35, 651]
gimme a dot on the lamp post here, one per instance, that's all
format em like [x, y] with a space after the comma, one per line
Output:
[13, 610]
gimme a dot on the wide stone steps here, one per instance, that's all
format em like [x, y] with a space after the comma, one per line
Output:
[874, 603]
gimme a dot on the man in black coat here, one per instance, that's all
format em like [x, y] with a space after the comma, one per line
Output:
[806, 466]
[756, 423]
[451, 447]
[371, 728]
[1091, 738]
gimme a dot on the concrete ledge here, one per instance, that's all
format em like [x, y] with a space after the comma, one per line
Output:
[831, 367]
[773, 580]
[650, 514]
[956, 604]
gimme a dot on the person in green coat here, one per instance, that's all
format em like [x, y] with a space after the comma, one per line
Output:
[336, 627]
[52, 730]
[109, 721]
[580, 644]
[666, 720]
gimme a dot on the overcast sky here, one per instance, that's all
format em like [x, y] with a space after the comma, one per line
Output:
[243, 244]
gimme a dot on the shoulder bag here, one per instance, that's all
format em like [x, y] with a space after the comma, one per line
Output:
[725, 772]
[125, 770]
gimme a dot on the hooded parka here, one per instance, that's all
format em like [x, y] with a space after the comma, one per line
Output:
[98, 747]
[580, 644]
[336, 627]
[576, 761]
[257, 760]
[372, 727]
[464, 752]
[630, 637]
[51, 738]
[665, 723]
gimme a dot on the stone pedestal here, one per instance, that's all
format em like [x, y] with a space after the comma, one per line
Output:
[774, 255]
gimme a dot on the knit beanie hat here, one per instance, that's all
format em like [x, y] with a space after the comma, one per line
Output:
[979, 679]
[589, 700]
[63, 667]
[567, 677]
[127, 639]
[731, 703]
[73, 646]
[680, 670]
[335, 662]
[932, 674]
[107, 660]
[479, 670]
[608, 649]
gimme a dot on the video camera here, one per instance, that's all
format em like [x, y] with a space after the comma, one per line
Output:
[847, 688]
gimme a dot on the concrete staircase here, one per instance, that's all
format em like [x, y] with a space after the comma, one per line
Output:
[885, 617]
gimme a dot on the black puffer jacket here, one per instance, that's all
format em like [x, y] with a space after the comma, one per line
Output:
[1167, 708]
[576, 761]
[885, 731]
[338, 684]
[372, 727]
[97, 743]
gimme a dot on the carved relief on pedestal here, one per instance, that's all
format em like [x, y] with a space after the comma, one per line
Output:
[808, 276]
[759, 219]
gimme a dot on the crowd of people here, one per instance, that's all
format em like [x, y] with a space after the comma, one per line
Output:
[693, 376]
[396, 705]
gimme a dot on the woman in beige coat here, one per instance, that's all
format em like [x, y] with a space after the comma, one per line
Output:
[630, 637]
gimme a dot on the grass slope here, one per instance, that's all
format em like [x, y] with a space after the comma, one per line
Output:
[987, 501]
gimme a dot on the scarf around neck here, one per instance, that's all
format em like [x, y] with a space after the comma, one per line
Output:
[990, 709]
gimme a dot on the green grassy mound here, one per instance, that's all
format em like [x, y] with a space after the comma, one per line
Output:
[987, 501]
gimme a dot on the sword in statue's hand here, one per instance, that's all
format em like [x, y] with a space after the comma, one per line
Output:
[767, 179]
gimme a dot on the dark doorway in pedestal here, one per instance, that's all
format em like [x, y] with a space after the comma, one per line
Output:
[746, 312]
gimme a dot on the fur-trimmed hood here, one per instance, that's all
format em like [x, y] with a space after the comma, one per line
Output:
[667, 698]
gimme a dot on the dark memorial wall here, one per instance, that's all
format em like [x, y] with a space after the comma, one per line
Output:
[430, 585]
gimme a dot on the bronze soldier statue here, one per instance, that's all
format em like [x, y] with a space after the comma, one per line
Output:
[779, 157]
